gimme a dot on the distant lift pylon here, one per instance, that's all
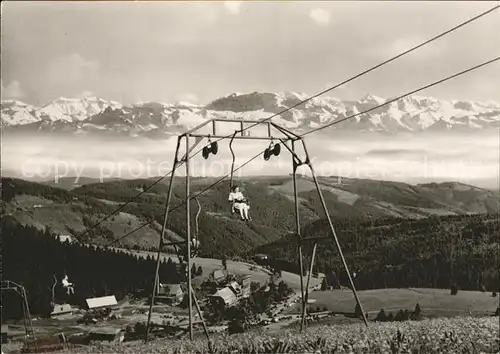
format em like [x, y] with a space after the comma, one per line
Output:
[30, 340]
[273, 133]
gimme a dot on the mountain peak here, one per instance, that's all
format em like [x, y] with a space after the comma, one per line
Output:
[185, 104]
[370, 98]
[158, 119]
[15, 102]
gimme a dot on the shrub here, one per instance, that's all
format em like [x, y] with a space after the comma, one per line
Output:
[140, 328]
[357, 311]
[381, 316]
[416, 314]
[417, 310]
[236, 326]
[185, 302]
[399, 316]
[254, 287]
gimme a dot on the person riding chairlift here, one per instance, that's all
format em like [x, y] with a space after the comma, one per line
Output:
[240, 203]
[195, 246]
[69, 286]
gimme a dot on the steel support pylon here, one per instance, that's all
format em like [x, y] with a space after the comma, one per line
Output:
[296, 162]
[162, 244]
[305, 292]
[30, 340]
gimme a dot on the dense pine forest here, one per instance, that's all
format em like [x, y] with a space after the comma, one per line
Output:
[435, 252]
[32, 258]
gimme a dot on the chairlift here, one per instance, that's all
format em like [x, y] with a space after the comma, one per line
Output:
[210, 148]
[273, 149]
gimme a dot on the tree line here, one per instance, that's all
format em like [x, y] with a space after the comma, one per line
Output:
[436, 252]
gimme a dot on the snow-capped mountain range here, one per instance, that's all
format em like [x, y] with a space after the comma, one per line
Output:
[93, 115]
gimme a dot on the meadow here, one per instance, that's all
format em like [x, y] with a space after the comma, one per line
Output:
[443, 335]
[433, 302]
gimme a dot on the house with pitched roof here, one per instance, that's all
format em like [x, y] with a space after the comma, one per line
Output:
[171, 294]
[224, 298]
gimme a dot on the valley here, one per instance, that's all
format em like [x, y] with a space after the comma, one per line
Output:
[392, 234]
[248, 177]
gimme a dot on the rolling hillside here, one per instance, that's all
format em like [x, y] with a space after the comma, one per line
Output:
[434, 252]
[272, 208]
[70, 183]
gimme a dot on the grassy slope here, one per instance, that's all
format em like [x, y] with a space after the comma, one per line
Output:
[63, 218]
[69, 183]
[432, 301]
[427, 336]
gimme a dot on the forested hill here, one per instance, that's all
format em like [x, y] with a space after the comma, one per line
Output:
[33, 258]
[76, 210]
[433, 252]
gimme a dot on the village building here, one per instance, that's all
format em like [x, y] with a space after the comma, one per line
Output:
[65, 238]
[171, 294]
[246, 280]
[106, 335]
[101, 302]
[61, 311]
[220, 276]
[224, 298]
[236, 289]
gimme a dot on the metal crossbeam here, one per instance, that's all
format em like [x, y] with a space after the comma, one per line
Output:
[272, 132]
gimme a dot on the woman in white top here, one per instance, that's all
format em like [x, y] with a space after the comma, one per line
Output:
[239, 203]
[68, 285]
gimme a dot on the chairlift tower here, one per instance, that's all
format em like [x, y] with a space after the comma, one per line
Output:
[29, 341]
[277, 135]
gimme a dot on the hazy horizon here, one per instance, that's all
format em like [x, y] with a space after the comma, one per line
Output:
[467, 158]
[199, 51]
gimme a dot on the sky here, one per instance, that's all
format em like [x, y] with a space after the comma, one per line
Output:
[199, 51]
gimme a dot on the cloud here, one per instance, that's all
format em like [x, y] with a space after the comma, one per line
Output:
[85, 94]
[401, 45]
[189, 97]
[320, 16]
[233, 6]
[12, 90]
[72, 68]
